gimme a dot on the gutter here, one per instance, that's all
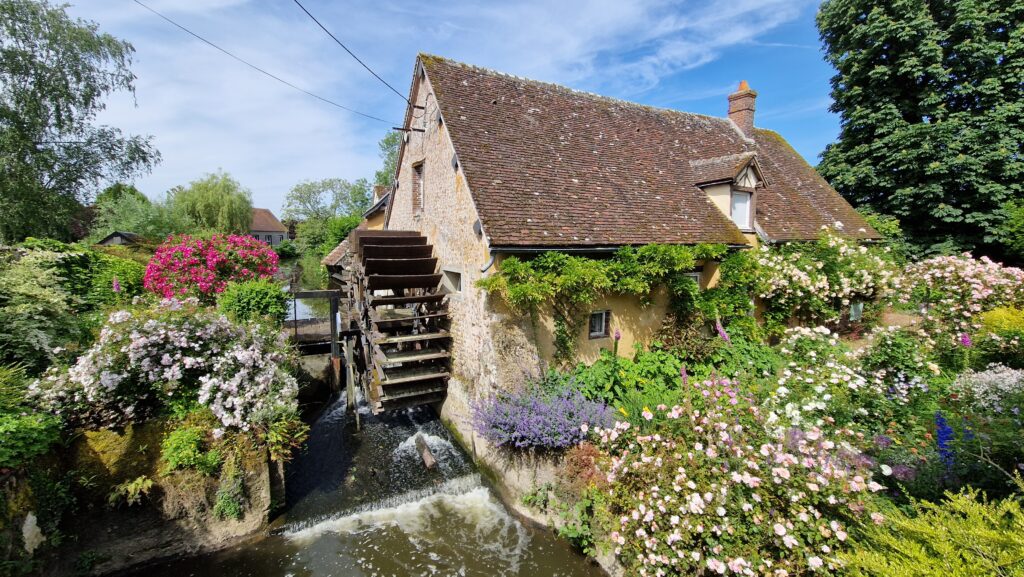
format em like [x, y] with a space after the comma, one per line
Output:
[602, 249]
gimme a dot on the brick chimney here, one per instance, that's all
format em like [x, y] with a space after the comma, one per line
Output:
[741, 108]
[379, 191]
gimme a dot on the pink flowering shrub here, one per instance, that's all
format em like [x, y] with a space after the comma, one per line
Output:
[817, 282]
[709, 491]
[175, 353]
[192, 266]
[957, 289]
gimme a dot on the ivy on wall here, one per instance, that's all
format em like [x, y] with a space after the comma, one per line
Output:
[572, 283]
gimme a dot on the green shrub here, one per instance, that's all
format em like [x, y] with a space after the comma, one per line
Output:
[73, 264]
[253, 299]
[183, 448]
[131, 491]
[25, 437]
[36, 313]
[127, 273]
[963, 536]
[229, 502]
[286, 249]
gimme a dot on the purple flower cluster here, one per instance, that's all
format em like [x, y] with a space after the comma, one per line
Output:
[536, 419]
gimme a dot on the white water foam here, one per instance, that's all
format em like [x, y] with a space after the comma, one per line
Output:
[444, 452]
[495, 533]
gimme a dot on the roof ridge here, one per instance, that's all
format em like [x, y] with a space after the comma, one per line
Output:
[425, 56]
[737, 156]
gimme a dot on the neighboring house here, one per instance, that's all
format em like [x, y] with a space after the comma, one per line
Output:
[493, 165]
[376, 214]
[121, 238]
[266, 227]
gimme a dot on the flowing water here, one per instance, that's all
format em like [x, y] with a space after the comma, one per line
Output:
[363, 504]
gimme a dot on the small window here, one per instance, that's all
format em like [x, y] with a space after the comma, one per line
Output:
[452, 281]
[270, 238]
[740, 208]
[856, 311]
[695, 275]
[600, 321]
[417, 187]
[280, 238]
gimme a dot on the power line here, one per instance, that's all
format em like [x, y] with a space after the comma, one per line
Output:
[350, 53]
[260, 70]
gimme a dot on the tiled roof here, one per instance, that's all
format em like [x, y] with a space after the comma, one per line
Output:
[550, 166]
[335, 257]
[264, 221]
[720, 168]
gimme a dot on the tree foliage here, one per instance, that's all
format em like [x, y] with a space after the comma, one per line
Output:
[932, 113]
[388, 147]
[215, 203]
[55, 73]
[129, 213]
[323, 199]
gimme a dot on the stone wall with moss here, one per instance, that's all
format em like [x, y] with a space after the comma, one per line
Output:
[66, 516]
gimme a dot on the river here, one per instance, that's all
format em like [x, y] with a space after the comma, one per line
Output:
[363, 504]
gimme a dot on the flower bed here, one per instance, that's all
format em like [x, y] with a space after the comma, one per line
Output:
[710, 490]
[539, 419]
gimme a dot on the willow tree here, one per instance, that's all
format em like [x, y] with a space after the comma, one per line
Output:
[931, 100]
[55, 74]
[215, 203]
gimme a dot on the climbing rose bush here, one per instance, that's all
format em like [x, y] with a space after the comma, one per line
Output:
[174, 352]
[187, 265]
[818, 281]
[957, 289]
[709, 491]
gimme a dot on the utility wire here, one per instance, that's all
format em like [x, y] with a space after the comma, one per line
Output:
[260, 70]
[350, 53]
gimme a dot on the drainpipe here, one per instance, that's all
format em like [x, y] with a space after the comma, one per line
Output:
[489, 264]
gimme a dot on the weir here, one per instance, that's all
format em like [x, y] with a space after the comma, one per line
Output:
[361, 503]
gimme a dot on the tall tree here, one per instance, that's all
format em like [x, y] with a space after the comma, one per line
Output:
[323, 199]
[215, 203]
[55, 73]
[388, 150]
[931, 100]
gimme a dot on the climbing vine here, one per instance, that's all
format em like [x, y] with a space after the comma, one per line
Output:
[571, 283]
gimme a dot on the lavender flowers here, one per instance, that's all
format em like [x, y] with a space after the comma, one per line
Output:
[533, 418]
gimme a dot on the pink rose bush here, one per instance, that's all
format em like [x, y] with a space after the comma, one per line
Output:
[710, 489]
[957, 289]
[175, 353]
[187, 265]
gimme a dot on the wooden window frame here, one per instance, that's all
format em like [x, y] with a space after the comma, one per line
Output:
[607, 324]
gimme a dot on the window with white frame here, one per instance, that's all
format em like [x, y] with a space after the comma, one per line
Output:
[600, 323]
[741, 206]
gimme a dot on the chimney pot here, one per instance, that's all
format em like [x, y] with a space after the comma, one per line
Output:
[741, 108]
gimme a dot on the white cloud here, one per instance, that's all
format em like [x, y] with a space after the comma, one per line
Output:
[207, 111]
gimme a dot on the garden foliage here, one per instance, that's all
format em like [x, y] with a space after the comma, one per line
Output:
[710, 489]
[538, 418]
[148, 359]
[964, 535]
[254, 300]
[191, 266]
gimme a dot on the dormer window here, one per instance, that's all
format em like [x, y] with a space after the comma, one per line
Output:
[740, 208]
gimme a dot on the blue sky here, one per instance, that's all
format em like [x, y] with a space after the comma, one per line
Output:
[208, 112]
